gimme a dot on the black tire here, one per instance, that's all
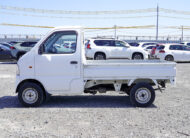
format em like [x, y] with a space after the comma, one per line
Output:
[169, 58]
[137, 56]
[142, 95]
[128, 93]
[31, 90]
[100, 56]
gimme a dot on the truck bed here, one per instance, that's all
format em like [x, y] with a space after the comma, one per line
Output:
[128, 69]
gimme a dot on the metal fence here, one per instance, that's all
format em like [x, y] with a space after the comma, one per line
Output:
[162, 39]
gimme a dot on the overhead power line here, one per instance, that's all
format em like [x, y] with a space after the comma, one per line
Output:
[104, 28]
[62, 17]
[175, 11]
[174, 17]
[34, 10]
[21, 25]
[111, 17]
[92, 28]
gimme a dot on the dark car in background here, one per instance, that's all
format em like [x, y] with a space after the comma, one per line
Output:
[134, 44]
[7, 44]
[5, 53]
[21, 48]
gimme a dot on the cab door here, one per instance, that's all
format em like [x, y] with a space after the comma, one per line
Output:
[58, 67]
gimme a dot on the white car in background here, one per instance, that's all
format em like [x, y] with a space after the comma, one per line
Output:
[173, 52]
[149, 48]
[145, 44]
[185, 43]
[101, 49]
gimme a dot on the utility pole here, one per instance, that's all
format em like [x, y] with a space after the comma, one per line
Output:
[157, 23]
[182, 33]
[115, 27]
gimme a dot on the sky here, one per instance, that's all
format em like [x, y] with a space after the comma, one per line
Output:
[16, 17]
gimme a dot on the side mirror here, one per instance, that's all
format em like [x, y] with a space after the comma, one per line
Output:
[40, 50]
[1, 49]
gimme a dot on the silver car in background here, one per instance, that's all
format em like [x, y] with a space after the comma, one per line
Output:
[21, 48]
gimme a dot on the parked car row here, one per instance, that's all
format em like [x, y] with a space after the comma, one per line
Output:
[178, 52]
[14, 50]
[102, 49]
[172, 52]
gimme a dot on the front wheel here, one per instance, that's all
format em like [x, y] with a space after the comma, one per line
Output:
[142, 95]
[30, 95]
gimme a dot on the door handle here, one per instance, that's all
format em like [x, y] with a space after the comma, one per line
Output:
[74, 62]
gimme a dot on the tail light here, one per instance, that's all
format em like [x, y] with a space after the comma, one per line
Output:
[161, 51]
[12, 47]
[88, 46]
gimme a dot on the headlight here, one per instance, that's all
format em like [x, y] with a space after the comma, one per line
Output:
[17, 70]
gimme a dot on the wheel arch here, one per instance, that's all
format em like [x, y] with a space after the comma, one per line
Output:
[97, 52]
[33, 81]
[169, 55]
[137, 53]
[144, 80]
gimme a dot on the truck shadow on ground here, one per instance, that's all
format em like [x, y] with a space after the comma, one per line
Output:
[8, 62]
[74, 102]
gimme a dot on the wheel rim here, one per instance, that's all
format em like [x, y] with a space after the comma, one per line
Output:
[137, 56]
[143, 95]
[30, 96]
[99, 57]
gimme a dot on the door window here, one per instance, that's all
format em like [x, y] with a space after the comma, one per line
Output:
[176, 47]
[120, 44]
[61, 43]
[104, 42]
[186, 48]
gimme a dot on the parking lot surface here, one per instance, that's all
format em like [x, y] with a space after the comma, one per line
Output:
[101, 115]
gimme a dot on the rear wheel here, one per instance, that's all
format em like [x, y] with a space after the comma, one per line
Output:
[137, 56]
[100, 56]
[169, 58]
[142, 95]
[31, 95]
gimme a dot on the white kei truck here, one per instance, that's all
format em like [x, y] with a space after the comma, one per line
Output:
[52, 67]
